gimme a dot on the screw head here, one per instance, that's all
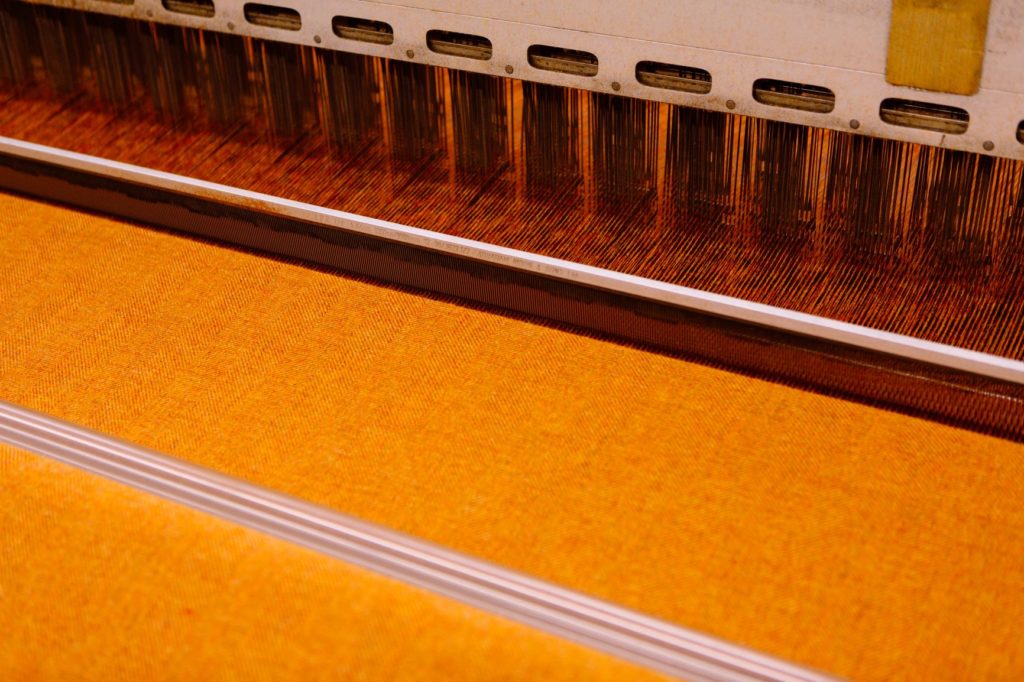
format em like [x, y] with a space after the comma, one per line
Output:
[616, 86]
[729, 104]
[317, 39]
[509, 69]
[854, 123]
[989, 145]
[149, 12]
[410, 54]
[231, 26]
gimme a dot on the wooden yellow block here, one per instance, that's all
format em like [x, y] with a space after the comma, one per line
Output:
[937, 45]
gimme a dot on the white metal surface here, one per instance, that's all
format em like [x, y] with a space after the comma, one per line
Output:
[897, 345]
[592, 622]
[838, 44]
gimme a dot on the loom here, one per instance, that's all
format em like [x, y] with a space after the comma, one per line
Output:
[824, 196]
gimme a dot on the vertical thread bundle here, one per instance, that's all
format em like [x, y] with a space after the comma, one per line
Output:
[920, 240]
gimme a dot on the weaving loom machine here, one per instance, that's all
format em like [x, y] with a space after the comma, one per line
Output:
[658, 318]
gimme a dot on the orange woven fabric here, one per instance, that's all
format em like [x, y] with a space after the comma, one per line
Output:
[102, 582]
[855, 540]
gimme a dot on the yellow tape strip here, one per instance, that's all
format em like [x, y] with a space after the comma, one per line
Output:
[937, 45]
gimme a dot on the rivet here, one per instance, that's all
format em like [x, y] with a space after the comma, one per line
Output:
[149, 12]
[317, 39]
[231, 26]
[509, 69]
[988, 145]
[410, 54]
[730, 104]
[616, 86]
[854, 123]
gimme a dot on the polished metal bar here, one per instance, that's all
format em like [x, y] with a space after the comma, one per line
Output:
[942, 355]
[954, 385]
[592, 622]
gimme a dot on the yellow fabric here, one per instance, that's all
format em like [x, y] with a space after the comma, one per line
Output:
[102, 582]
[855, 540]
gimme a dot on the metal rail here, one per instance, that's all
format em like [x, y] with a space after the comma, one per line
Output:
[982, 364]
[598, 624]
[956, 385]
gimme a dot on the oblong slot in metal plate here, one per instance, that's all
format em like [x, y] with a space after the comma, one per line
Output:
[196, 8]
[459, 44]
[272, 16]
[563, 60]
[363, 30]
[925, 115]
[1020, 132]
[790, 95]
[674, 77]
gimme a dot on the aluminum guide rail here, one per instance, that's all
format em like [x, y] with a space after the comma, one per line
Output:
[592, 622]
[949, 384]
[942, 355]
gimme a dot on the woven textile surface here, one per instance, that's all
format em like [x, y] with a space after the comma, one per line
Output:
[855, 540]
[102, 582]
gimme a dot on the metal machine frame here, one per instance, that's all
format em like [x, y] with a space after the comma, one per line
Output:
[836, 47]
